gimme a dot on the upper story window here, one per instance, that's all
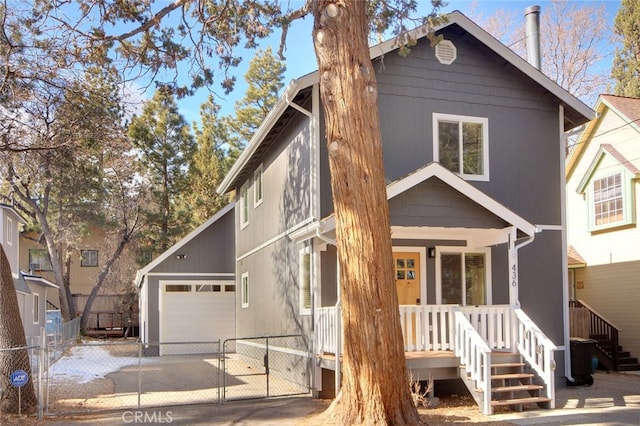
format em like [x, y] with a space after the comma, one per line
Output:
[9, 231]
[89, 258]
[610, 202]
[257, 187]
[244, 208]
[461, 145]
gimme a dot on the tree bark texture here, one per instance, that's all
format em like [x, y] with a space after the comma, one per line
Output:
[12, 336]
[375, 383]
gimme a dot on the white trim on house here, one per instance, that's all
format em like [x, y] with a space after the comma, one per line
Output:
[462, 250]
[191, 274]
[456, 182]
[177, 246]
[275, 238]
[460, 119]
[244, 289]
[258, 186]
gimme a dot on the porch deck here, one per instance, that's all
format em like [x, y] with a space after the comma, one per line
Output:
[442, 365]
[450, 341]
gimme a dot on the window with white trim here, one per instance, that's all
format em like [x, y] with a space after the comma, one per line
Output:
[463, 276]
[257, 187]
[36, 308]
[461, 145]
[304, 274]
[611, 201]
[244, 208]
[9, 231]
[245, 289]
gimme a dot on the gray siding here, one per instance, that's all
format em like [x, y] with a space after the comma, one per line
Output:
[524, 150]
[286, 183]
[436, 204]
[208, 253]
[274, 298]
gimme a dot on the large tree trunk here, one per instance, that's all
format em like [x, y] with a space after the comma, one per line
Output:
[12, 336]
[375, 383]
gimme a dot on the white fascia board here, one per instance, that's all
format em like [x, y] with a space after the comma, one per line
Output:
[290, 92]
[171, 250]
[521, 64]
[462, 186]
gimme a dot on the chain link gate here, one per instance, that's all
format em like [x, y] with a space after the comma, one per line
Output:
[263, 367]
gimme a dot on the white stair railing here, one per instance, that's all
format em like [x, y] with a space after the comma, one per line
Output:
[475, 356]
[537, 349]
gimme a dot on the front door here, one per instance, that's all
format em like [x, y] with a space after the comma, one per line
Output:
[407, 266]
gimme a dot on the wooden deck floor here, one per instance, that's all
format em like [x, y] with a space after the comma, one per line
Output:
[439, 364]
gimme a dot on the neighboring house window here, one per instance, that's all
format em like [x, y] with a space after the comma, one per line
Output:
[39, 260]
[36, 308]
[607, 200]
[463, 277]
[244, 208]
[257, 187]
[9, 231]
[305, 280]
[461, 145]
[89, 258]
[245, 289]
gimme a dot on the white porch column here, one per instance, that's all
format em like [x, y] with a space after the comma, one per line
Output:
[513, 268]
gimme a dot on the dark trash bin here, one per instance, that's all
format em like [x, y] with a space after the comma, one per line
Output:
[582, 361]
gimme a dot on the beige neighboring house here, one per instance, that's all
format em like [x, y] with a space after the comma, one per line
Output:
[85, 265]
[603, 203]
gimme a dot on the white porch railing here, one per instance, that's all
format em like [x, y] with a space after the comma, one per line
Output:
[470, 332]
[475, 355]
[537, 350]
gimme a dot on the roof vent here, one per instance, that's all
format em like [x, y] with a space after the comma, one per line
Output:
[446, 52]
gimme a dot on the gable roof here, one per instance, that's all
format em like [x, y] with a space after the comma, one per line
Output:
[606, 149]
[184, 241]
[13, 210]
[434, 169]
[575, 111]
[628, 109]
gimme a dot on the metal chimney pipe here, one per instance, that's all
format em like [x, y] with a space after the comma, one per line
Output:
[532, 33]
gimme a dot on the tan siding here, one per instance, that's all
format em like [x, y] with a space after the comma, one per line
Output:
[614, 292]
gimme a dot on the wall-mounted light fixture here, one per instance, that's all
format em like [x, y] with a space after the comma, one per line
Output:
[431, 252]
[181, 256]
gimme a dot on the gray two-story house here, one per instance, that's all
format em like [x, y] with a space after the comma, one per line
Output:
[474, 160]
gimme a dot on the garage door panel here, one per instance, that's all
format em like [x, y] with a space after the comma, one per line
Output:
[196, 317]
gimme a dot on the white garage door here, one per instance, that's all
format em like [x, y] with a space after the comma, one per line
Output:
[193, 314]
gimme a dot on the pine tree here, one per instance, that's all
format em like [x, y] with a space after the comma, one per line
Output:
[265, 77]
[166, 148]
[209, 165]
[626, 64]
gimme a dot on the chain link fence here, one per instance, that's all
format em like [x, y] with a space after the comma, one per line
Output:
[262, 367]
[71, 376]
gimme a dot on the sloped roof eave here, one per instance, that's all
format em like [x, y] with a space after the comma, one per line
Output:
[434, 169]
[582, 111]
[171, 250]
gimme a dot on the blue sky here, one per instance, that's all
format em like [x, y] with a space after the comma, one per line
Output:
[301, 58]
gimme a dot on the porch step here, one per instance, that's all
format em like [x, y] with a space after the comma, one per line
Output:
[629, 367]
[516, 388]
[512, 376]
[508, 365]
[520, 401]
